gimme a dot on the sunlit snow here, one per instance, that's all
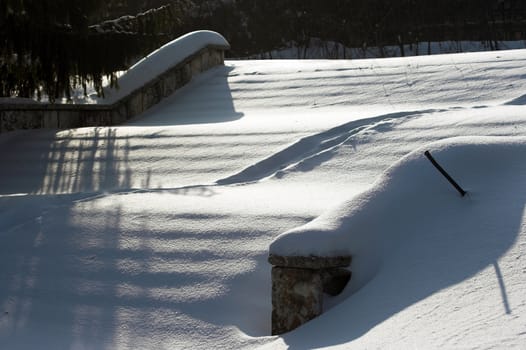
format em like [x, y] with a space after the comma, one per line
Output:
[155, 234]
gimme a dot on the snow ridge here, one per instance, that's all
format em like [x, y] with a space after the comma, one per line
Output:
[310, 146]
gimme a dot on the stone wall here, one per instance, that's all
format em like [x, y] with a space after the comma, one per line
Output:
[298, 285]
[18, 116]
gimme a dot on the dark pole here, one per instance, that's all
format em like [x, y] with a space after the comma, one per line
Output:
[446, 175]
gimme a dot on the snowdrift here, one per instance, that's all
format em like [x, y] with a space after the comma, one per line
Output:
[411, 199]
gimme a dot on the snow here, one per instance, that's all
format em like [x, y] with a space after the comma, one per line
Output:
[432, 269]
[372, 224]
[159, 61]
[323, 49]
[155, 234]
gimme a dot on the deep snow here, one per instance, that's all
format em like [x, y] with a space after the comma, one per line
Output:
[155, 234]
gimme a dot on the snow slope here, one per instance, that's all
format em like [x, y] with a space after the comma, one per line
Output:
[412, 235]
[155, 234]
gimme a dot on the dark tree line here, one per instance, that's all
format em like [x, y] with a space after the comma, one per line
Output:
[265, 25]
[54, 45]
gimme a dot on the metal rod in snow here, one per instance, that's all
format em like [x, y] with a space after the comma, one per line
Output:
[446, 175]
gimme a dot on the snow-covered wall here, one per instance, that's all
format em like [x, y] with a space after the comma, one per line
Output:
[145, 84]
[165, 58]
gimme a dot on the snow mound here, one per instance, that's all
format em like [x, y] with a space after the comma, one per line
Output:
[411, 197]
[162, 59]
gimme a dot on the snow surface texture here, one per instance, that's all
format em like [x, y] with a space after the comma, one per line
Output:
[155, 234]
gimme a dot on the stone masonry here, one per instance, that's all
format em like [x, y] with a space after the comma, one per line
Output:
[65, 116]
[298, 284]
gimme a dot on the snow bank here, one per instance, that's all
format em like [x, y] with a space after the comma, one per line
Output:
[162, 59]
[409, 197]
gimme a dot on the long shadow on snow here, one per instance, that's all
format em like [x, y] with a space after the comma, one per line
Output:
[50, 162]
[207, 99]
[519, 101]
[44, 174]
[317, 145]
[86, 275]
[416, 264]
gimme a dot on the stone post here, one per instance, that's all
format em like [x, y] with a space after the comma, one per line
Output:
[298, 284]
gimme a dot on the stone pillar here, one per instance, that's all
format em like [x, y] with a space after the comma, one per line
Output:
[297, 297]
[298, 284]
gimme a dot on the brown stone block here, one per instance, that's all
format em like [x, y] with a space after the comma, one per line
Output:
[297, 297]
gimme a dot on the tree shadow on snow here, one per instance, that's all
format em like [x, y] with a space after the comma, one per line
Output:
[95, 275]
[44, 175]
[50, 162]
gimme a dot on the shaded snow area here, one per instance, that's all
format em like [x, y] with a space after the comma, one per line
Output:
[155, 234]
[317, 48]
